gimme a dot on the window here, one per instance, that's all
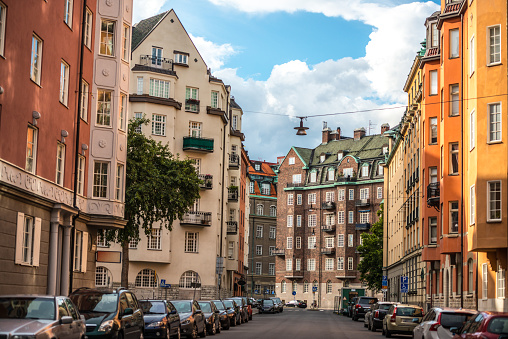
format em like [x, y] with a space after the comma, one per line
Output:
[119, 182]
[101, 239]
[231, 250]
[3, 11]
[100, 180]
[351, 217]
[380, 192]
[28, 240]
[347, 172]
[123, 110]
[329, 286]
[330, 242]
[154, 240]
[68, 12]
[365, 171]
[259, 231]
[433, 175]
[215, 99]
[312, 220]
[311, 265]
[289, 264]
[364, 217]
[289, 243]
[257, 167]
[191, 100]
[103, 107]
[494, 44]
[454, 158]
[350, 263]
[313, 176]
[434, 40]
[159, 88]
[433, 83]
[64, 82]
[298, 264]
[500, 277]
[125, 43]
[472, 201]
[265, 189]
[60, 163]
[364, 193]
[146, 278]
[191, 242]
[81, 174]
[298, 243]
[339, 156]
[195, 129]
[272, 232]
[340, 240]
[342, 194]
[181, 58]
[380, 169]
[454, 100]
[298, 199]
[329, 264]
[330, 219]
[433, 131]
[454, 43]
[341, 217]
[139, 90]
[454, 216]
[133, 244]
[251, 187]
[494, 200]
[340, 263]
[312, 198]
[102, 277]
[78, 250]
[159, 125]
[433, 230]
[88, 28]
[107, 43]
[331, 174]
[472, 132]
[260, 209]
[290, 220]
[291, 161]
[484, 281]
[84, 100]
[298, 221]
[259, 267]
[138, 115]
[494, 122]
[350, 240]
[471, 56]
[330, 196]
[234, 122]
[351, 194]
[35, 67]
[470, 277]
[305, 286]
[271, 269]
[311, 242]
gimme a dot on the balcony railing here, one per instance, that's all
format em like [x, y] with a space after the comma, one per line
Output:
[327, 250]
[156, 62]
[196, 218]
[198, 144]
[234, 160]
[207, 181]
[347, 178]
[279, 252]
[362, 226]
[232, 227]
[233, 194]
[295, 184]
[433, 194]
[362, 202]
[328, 205]
[328, 228]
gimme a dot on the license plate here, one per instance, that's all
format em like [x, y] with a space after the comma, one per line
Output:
[407, 320]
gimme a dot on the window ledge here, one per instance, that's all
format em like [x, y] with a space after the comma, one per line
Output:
[453, 115]
[433, 143]
[494, 142]
[494, 64]
[494, 221]
[453, 174]
[158, 135]
[192, 112]
[180, 64]
[107, 56]
[453, 235]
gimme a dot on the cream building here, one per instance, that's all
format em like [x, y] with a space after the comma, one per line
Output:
[193, 113]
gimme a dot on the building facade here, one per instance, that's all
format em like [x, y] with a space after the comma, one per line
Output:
[62, 154]
[327, 197]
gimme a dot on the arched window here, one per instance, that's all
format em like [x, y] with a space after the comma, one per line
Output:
[305, 286]
[329, 287]
[146, 278]
[188, 278]
[470, 276]
[260, 209]
[283, 286]
[295, 286]
[273, 211]
[102, 277]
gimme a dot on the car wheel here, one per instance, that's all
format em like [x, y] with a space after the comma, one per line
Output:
[233, 322]
[383, 330]
[373, 328]
[388, 334]
[120, 335]
[219, 327]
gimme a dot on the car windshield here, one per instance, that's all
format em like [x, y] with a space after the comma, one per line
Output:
[385, 306]
[205, 307]
[228, 303]
[267, 302]
[27, 308]
[95, 302]
[277, 299]
[409, 311]
[219, 305]
[498, 326]
[182, 306]
[152, 307]
[449, 320]
[367, 301]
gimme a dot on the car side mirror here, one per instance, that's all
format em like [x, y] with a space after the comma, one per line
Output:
[454, 330]
[128, 311]
[66, 320]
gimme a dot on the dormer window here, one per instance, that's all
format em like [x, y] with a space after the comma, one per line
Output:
[313, 176]
[257, 167]
[331, 174]
[322, 158]
[265, 189]
[380, 170]
[434, 35]
[347, 172]
[365, 171]
[339, 156]
[181, 58]
[385, 149]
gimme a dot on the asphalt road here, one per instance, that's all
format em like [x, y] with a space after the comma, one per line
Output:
[300, 323]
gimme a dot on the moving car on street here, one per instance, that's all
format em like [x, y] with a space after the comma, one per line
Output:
[268, 306]
[362, 305]
[485, 325]
[161, 319]
[223, 314]
[192, 319]
[374, 317]
[442, 318]
[233, 311]
[27, 317]
[402, 319]
[212, 316]
[279, 303]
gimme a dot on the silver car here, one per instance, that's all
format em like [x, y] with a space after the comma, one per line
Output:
[27, 316]
[437, 322]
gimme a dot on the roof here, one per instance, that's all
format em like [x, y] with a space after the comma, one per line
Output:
[234, 104]
[305, 154]
[141, 30]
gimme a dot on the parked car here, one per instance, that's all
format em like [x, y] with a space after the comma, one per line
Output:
[212, 316]
[292, 303]
[161, 319]
[374, 317]
[401, 319]
[233, 311]
[487, 325]
[254, 302]
[362, 305]
[40, 317]
[350, 306]
[302, 304]
[443, 317]
[225, 323]
[192, 319]
[268, 306]
[243, 309]
[109, 313]
[279, 303]
[249, 307]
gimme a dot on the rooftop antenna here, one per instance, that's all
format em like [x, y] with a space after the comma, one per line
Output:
[371, 125]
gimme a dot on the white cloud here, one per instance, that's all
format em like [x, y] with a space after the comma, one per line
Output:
[214, 55]
[146, 8]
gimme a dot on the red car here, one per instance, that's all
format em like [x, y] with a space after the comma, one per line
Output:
[484, 325]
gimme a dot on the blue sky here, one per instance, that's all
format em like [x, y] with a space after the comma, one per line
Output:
[300, 58]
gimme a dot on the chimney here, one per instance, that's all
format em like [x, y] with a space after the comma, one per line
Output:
[359, 133]
[326, 133]
[384, 128]
[338, 133]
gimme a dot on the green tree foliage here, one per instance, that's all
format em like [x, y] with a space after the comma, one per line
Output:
[159, 188]
[371, 266]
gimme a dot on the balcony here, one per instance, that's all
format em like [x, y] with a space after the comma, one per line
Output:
[347, 178]
[295, 184]
[233, 194]
[232, 227]
[328, 205]
[418, 96]
[207, 181]
[433, 195]
[156, 62]
[281, 252]
[193, 218]
[362, 226]
[362, 203]
[327, 250]
[198, 144]
[328, 228]
[234, 161]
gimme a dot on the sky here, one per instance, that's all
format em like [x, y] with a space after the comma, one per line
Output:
[291, 58]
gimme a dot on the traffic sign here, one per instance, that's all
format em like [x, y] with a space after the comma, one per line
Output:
[163, 284]
[314, 288]
[404, 284]
[384, 284]
[294, 293]
[385, 277]
[256, 291]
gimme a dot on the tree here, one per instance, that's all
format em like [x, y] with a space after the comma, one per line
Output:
[158, 188]
[371, 266]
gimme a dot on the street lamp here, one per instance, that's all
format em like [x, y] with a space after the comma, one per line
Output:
[301, 130]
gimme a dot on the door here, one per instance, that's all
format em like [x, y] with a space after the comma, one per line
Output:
[63, 330]
[78, 326]
[125, 319]
[138, 322]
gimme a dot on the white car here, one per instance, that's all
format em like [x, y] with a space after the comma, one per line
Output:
[292, 303]
[437, 322]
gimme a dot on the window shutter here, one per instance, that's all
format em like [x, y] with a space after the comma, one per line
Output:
[37, 241]
[18, 257]
[84, 251]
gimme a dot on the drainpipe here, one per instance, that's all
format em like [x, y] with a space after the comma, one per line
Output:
[223, 184]
[461, 262]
